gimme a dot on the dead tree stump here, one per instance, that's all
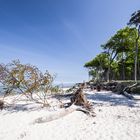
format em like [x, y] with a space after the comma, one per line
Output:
[80, 99]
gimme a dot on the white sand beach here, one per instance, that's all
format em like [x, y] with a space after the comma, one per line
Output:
[117, 118]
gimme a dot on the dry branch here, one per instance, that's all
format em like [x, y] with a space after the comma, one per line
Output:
[61, 114]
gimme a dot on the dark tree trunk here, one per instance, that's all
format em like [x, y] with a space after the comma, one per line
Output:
[1, 104]
[136, 55]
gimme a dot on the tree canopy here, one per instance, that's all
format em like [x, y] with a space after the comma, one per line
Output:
[117, 61]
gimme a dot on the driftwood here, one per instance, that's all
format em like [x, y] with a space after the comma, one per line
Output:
[127, 90]
[61, 114]
[54, 116]
[126, 94]
[1, 104]
[78, 99]
[122, 88]
[98, 87]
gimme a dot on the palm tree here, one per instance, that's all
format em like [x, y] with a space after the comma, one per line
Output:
[135, 20]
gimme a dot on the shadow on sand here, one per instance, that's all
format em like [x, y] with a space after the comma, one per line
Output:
[103, 98]
[97, 99]
[22, 108]
[110, 98]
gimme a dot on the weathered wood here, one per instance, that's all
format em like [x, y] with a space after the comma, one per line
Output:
[126, 94]
[61, 114]
[127, 89]
[98, 87]
[1, 104]
[54, 116]
[79, 98]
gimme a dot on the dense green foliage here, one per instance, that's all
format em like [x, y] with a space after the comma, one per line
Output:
[122, 53]
[120, 59]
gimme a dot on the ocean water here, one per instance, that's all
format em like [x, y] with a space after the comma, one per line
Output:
[62, 85]
[65, 85]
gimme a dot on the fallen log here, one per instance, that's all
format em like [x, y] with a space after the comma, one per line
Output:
[62, 113]
[78, 102]
[127, 90]
[126, 94]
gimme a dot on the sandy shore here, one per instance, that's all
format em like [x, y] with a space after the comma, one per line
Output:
[117, 118]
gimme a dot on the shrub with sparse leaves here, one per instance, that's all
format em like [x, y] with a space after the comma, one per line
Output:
[25, 79]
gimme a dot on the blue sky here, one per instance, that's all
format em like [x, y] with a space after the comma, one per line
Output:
[60, 35]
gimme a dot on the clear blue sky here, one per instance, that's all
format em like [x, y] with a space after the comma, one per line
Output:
[60, 35]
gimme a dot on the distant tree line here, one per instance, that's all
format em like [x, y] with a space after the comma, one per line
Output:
[120, 58]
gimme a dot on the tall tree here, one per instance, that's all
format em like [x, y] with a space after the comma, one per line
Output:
[118, 47]
[124, 41]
